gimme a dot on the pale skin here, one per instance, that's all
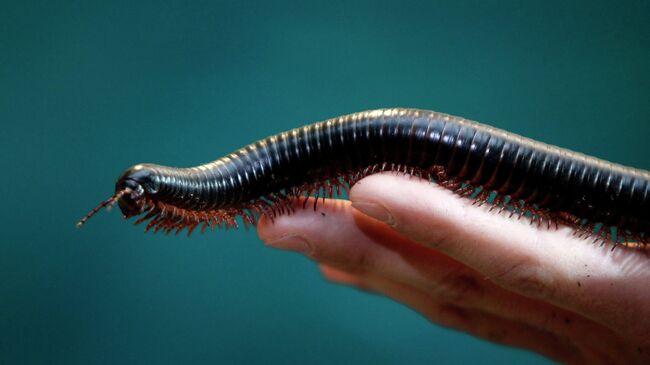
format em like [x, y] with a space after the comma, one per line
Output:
[464, 267]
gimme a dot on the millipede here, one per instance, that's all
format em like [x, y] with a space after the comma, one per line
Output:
[546, 184]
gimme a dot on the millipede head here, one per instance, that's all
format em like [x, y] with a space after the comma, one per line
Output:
[130, 194]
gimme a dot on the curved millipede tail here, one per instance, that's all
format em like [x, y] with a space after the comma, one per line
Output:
[518, 176]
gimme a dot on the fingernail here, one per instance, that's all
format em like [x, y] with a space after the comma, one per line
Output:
[291, 242]
[375, 210]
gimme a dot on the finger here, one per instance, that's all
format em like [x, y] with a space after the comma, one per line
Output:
[548, 264]
[340, 234]
[360, 244]
[472, 321]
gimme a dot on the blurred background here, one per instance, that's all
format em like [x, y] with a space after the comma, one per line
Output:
[90, 88]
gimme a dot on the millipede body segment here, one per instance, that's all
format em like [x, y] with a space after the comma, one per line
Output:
[545, 183]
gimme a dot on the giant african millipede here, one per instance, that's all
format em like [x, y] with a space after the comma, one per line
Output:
[546, 184]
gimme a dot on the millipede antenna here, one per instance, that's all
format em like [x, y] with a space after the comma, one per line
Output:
[108, 204]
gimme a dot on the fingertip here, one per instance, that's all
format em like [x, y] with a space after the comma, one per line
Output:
[285, 232]
[307, 230]
[412, 206]
[264, 228]
[268, 231]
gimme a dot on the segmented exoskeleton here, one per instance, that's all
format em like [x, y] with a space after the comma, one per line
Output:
[547, 184]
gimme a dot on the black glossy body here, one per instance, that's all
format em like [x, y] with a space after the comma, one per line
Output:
[552, 178]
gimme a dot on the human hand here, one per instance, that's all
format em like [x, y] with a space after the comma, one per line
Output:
[480, 272]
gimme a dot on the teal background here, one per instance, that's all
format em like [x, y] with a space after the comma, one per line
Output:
[88, 89]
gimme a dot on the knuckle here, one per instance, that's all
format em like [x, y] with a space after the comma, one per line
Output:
[458, 288]
[355, 262]
[439, 233]
[450, 315]
[436, 236]
[529, 278]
